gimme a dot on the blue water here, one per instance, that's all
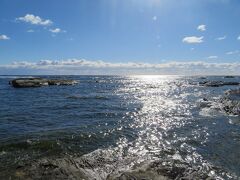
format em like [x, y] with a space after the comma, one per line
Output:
[146, 117]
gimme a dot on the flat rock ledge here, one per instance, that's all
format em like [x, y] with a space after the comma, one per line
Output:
[39, 82]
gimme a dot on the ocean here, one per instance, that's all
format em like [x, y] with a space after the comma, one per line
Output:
[166, 125]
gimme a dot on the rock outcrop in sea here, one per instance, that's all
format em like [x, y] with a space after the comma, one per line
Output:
[39, 82]
[218, 83]
[231, 102]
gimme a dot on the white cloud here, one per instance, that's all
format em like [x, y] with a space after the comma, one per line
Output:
[56, 30]
[212, 57]
[4, 37]
[30, 30]
[232, 52]
[36, 20]
[201, 27]
[193, 39]
[221, 38]
[154, 18]
[81, 66]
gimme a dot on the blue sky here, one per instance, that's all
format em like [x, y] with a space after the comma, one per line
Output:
[153, 32]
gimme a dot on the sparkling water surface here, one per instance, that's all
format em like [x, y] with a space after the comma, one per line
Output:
[133, 119]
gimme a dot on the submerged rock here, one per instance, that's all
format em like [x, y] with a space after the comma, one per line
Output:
[218, 83]
[39, 82]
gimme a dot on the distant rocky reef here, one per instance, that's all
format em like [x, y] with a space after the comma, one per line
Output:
[39, 82]
[218, 83]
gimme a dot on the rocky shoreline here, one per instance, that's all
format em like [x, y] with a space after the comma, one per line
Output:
[99, 167]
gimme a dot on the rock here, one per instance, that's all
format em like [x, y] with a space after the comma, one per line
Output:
[231, 106]
[228, 77]
[84, 168]
[59, 82]
[39, 82]
[29, 82]
[61, 168]
[218, 83]
[233, 92]
[205, 103]
[231, 102]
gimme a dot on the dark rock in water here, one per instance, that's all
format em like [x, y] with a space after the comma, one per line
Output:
[218, 83]
[53, 169]
[229, 77]
[39, 82]
[204, 103]
[61, 82]
[231, 102]
[233, 92]
[62, 168]
[29, 82]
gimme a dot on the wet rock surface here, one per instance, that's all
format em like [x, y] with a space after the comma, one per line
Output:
[39, 82]
[231, 102]
[100, 169]
[228, 103]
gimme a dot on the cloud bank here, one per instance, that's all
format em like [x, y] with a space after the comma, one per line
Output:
[86, 67]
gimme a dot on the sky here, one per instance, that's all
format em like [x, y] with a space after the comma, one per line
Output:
[179, 37]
